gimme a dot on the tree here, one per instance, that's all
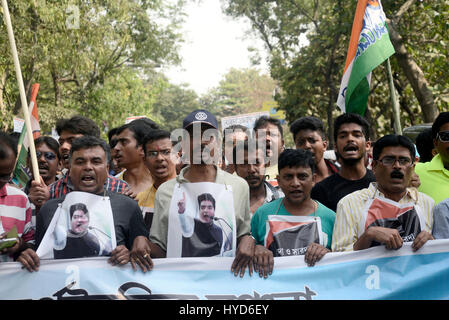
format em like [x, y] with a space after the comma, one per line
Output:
[309, 74]
[240, 91]
[173, 103]
[77, 51]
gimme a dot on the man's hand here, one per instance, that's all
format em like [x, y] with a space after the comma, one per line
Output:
[314, 253]
[39, 193]
[120, 255]
[263, 261]
[182, 204]
[389, 237]
[244, 256]
[140, 254]
[421, 239]
[30, 260]
[15, 248]
[127, 191]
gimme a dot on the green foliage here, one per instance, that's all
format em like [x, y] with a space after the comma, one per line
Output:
[309, 73]
[92, 58]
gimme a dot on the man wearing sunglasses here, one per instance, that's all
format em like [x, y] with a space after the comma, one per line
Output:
[388, 212]
[49, 162]
[434, 175]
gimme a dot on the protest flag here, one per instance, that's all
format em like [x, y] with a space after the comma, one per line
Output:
[369, 46]
[21, 173]
[23, 98]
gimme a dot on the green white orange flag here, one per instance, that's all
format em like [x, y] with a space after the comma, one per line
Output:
[369, 46]
[21, 173]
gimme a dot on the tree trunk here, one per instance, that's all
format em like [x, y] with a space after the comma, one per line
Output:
[414, 75]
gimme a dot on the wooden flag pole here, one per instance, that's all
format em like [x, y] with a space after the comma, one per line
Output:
[396, 114]
[23, 98]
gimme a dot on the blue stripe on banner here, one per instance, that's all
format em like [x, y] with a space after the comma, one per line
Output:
[369, 274]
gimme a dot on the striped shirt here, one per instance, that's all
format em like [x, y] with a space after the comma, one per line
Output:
[349, 224]
[64, 185]
[15, 210]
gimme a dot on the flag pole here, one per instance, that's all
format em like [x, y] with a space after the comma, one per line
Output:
[23, 98]
[396, 114]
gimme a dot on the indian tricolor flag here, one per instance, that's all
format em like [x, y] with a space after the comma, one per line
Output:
[21, 172]
[369, 46]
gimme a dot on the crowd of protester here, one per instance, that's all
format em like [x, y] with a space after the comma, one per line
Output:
[372, 193]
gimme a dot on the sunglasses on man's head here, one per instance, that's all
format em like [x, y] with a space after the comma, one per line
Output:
[49, 156]
[443, 136]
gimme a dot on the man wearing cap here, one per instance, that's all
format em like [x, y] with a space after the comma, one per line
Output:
[200, 135]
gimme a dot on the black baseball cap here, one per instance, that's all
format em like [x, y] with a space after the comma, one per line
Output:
[200, 116]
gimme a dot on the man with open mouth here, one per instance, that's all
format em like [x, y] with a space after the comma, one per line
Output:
[89, 166]
[388, 212]
[351, 135]
[161, 161]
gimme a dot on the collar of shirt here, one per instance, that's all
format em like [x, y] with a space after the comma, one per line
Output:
[436, 164]
[410, 194]
[180, 178]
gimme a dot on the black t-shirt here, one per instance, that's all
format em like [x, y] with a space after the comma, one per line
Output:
[128, 219]
[79, 247]
[330, 190]
[205, 241]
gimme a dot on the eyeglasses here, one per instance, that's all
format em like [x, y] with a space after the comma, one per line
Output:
[389, 161]
[444, 136]
[49, 156]
[153, 154]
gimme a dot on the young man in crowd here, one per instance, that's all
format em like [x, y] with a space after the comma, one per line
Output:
[285, 237]
[351, 135]
[269, 132]
[89, 166]
[112, 138]
[308, 134]
[434, 175]
[161, 161]
[388, 212]
[202, 169]
[15, 209]
[231, 135]
[251, 167]
[49, 163]
[129, 155]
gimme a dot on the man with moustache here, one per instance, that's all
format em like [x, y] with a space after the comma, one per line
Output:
[388, 212]
[351, 135]
[200, 136]
[89, 159]
[252, 169]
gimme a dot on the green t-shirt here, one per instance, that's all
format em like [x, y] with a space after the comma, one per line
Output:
[434, 179]
[259, 220]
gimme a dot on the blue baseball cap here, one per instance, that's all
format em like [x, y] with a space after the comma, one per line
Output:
[200, 116]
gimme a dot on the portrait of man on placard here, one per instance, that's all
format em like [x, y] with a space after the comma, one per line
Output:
[203, 224]
[82, 226]
[80, 241]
